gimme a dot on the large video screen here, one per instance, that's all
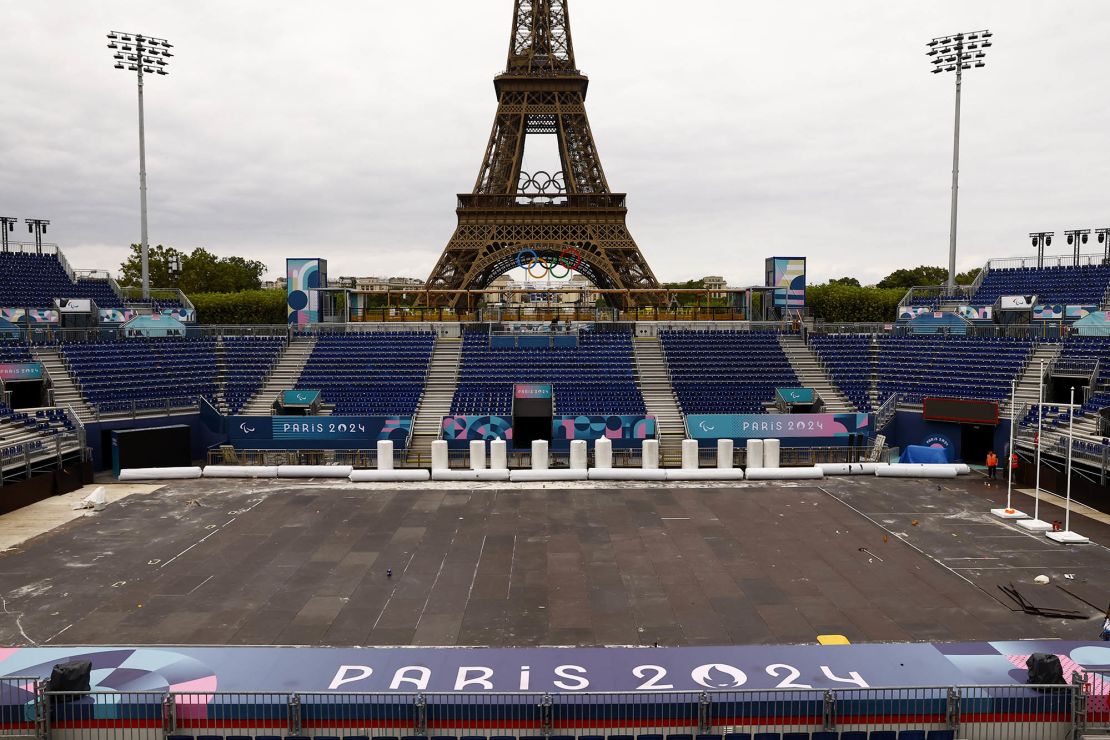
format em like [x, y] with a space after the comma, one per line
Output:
[956, 409]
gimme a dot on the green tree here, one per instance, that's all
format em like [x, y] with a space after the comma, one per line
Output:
[244, 307]
[845, 281]
[907, 279]
[969, 277]
[201, 271]
[838, 302]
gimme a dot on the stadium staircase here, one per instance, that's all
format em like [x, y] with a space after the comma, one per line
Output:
[435, 403]
[654, 380]
[287, 371]
[66, 392]
[1029, 383]
[811, 373]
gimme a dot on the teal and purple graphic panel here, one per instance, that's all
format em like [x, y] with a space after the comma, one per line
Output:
[909, 313]
[10, 371]
[304, 279]
[29, 316]
[1073, 313]
[317, 432]
[797, 395]
[976, 313]
[777, 426]
[787, 275]
[623, 431]
[541, 391]
[459, 431]
[184, 315]
[1048, 312]
[116, 315]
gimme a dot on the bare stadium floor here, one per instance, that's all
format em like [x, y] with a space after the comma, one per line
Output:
[291, 563]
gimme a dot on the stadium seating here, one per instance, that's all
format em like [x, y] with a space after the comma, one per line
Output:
[248, 360]
[370, 373]
[1083, 285]
[787, 735]
[14, 352]
[847, 358]
[143, 373]
[595, 378]
[35, 280]
[726, 372]
[962, 367]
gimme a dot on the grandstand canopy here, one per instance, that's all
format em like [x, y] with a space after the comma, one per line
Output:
[156, 325]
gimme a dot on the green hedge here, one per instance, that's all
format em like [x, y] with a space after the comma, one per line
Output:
[836, 303]
[247, 307]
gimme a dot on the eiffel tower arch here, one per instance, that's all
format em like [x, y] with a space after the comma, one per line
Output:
[569, 217]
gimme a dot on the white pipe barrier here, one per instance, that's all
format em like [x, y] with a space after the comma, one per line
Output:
[690, 454]
[755, 453]
[813, 473]
[539, 454]
[651, 454]
[315, 471]
[578, 454]
[850, 468]
[650, 474]
[159, 473]
[439, 455]
[917, 471]
[603, 454]
[706, 474]
[389, 476]
[771, 453]
[456, 475]
[241, 471]
[385, 454]
[725, 449]
[498, 455]
[477, 454]
[536, 476]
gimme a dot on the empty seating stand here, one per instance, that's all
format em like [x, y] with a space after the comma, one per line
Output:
[951, 367]
[370, 373]
[726, 372]
[35, 280]
[143, 374]
[247, 361]
[786, 735]
[595, 378]
[1065, 285]
[847, 358]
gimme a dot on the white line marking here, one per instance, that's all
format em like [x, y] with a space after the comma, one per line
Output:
[18, 620]
[214, 531]
[439, 572]
[391, 593]
[206, 580]
[63, 629]
[512, 558]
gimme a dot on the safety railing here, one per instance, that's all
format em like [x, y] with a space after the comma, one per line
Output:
[886, 412]
[1000, 712]
[28, 457]
[1050, 260]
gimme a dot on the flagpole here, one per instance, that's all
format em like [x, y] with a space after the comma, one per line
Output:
[1035, 524]
[1010, 512]
[1068, 537]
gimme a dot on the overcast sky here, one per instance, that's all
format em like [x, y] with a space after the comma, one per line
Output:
[739, 129]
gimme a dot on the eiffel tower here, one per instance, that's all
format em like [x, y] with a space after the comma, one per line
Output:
[514, 218]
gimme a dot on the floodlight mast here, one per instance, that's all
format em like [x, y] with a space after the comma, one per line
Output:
[955, 54]
[7, 225]
[139, 54]
[1041, 239]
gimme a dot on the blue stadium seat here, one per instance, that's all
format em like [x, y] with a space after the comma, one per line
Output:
[705, 736]
[738, 736]
[35, 280]
[911, 735]
[825, 735]
[941, 735]
[853, 735]
[883, 735]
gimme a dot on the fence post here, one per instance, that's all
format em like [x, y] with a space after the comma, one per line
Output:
[545, 714]
[703, 712]
[294, 714]
[1079, 687]
[952, 711]
[42, 714]
[421, 719]
[169, 715]
[828, 712]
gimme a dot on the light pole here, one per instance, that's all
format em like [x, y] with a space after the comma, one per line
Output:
[1077, 238]
[37, 226]
[7, 224]
[1104, 239]
[955, 54]
[149, 55]
[1042, 239]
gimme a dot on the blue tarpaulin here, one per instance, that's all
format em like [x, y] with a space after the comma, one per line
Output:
[926, 455]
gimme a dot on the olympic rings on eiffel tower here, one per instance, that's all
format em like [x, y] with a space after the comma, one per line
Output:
[542, 183]
[528, 260]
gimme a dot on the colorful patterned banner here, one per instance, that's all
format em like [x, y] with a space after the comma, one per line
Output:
[532, 390]
[20, 371]
[1043, 312]
[787, 275]
[976, 313]
[116, 315]
[305, 278]
[624, 431]
[34, 315]
[776, 426]
[321, 432]
[909, 313]
[1078, 312]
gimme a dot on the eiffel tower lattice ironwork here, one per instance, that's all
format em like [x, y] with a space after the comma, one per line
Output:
[570, 216]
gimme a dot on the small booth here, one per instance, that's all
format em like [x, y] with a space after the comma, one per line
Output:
[154, 325]
[297, 403]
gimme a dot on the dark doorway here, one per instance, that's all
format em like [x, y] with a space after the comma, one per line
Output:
[26, 394]
[1058, 389]
[977, 440]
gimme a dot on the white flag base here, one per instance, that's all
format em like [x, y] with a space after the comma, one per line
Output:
[1010, 514]
[1067, 538]
[1035, 525]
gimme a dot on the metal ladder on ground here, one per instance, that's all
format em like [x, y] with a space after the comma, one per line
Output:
[435, 402]
[287, 371]
[654, 380]
[811, 374]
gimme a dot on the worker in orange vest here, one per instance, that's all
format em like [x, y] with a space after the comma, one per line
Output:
[992, 465]
[1013, 462]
